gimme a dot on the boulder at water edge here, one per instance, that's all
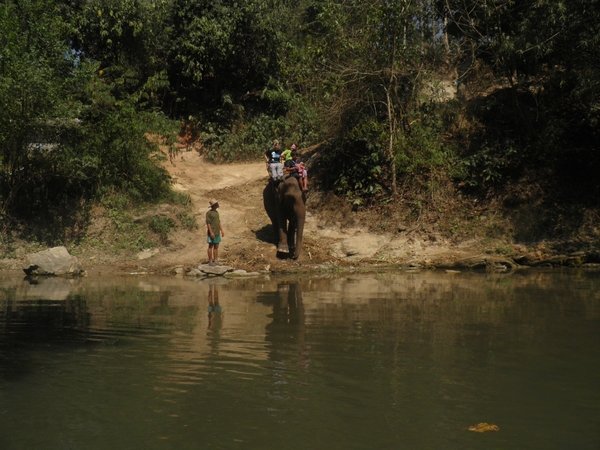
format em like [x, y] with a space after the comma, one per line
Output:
[55, 261]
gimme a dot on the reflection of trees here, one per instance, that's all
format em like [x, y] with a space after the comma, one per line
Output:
[45, 320]
[83, 312]
[443, 315]
[474, 312]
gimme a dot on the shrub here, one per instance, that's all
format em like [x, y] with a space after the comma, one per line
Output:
[162, 226]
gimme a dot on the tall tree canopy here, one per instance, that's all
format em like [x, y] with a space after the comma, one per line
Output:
[373, 78]
[69, 129]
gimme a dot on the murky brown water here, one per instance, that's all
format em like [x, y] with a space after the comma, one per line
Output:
[387, 361]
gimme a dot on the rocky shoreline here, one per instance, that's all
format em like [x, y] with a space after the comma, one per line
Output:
[476, 262]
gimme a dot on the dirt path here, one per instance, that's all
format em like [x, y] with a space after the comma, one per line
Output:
[333, 236]
[248, 242]
[238, 187]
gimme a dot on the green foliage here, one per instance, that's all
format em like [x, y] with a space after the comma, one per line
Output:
[89, 89]
[34, 71]
[218, 50]
[360, 168]
[504, 250]
[180, 198]
[487, 166]
[162, 226]
[422, 149]
[252, 135]
[130, 236]
[126, 158]
[547, 121]
[121, 33]
[250, 141]
[69, 131]
[354, 167]
[188, 220]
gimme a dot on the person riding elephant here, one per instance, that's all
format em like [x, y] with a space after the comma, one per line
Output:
[273, 159]
[285, 206]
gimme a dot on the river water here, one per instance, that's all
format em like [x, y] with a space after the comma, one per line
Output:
[366, 361]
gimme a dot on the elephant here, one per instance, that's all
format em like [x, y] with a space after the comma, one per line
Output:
[285, 205]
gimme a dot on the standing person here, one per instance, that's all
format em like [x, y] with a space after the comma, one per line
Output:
[214, 231]
[273, 158]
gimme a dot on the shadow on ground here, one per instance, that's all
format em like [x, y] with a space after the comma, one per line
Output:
[266, 234]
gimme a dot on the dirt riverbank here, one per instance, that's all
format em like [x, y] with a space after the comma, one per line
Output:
[333, 240]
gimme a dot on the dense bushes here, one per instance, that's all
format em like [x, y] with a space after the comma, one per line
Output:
[69, 131]
[88, 89]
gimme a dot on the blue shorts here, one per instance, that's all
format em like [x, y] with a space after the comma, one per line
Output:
[216, 240]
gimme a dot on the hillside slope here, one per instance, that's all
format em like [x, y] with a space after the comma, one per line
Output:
[249, 240]
[335, 235]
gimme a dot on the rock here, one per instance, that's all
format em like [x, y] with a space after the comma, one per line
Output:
[148, 253]
[357, 247]
[241, 274]
[486, 262]
[560, 260]
[55, 261]
[195, 273]
[214, 270]
[9, 264]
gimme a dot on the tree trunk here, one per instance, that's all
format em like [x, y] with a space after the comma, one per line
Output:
[446, 42]
[392, 132]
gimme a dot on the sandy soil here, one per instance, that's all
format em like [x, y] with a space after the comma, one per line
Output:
[238, 188]
[334, 239]
[249, 241]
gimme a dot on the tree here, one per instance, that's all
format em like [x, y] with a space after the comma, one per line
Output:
[124, 36]
[375, 55]
[35, 67]
[221, 51]
[68, 129]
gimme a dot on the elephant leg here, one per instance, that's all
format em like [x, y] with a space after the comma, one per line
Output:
[282, 218]
[291, 235]
[282, 247]
[300, 217]
[271, 203]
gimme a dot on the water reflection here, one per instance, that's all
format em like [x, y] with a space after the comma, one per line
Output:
[288, 312]
[362, 361]
[215, 312]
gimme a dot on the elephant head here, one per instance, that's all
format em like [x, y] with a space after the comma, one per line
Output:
[285, 205]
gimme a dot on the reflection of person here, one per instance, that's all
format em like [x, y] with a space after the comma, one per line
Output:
[214, 232]
[215, 312]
